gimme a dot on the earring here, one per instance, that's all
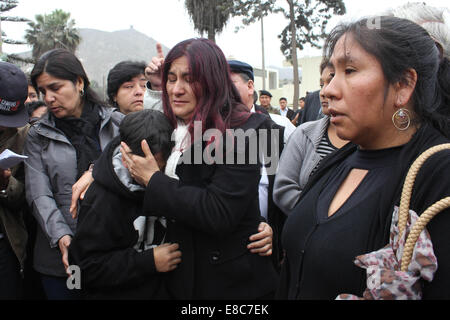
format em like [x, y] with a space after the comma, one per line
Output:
[401, 119]
[82, 93]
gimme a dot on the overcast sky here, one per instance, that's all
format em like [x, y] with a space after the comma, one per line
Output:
[167, 21]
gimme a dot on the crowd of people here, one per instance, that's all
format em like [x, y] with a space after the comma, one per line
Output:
[181, 187]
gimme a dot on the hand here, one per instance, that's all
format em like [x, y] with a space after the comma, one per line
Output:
[154, 68]
[64, 244]
[79, 190]
[140, 168]
[167, 257]
[294, 121]
[261, 242]
[5, 174]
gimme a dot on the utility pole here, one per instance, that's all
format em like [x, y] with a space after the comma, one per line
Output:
[294, 54]
[1, 38]
[263, 58]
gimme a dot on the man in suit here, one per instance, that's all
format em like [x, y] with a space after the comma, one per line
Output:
[242, 76]
[298, 114]
[313, 108]
[285, 111]
[243, 79]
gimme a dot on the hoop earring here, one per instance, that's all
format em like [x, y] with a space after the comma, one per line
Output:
[82, 93]
[401, 119]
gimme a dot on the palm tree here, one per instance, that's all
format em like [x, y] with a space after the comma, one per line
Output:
[6, 5]
[52, 31]
[209, 16]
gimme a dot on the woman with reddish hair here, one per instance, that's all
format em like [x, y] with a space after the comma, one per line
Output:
[210, 200]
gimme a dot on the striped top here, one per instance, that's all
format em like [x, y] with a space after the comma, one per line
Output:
[324, 148]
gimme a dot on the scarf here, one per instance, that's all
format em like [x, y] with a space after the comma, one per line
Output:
[83, 135]
[181, 143]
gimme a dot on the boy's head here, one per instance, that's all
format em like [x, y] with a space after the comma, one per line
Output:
[152, 126]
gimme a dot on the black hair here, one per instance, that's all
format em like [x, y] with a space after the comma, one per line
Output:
[122, 72]
[30, 83]
[283, 98]
[31, 106]
[245, 77]
[255, 97]
[400, 45]
[63, 64]
[325, 63]
[302, 98]
[151, 125]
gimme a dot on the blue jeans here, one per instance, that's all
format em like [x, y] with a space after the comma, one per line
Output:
[55, 288]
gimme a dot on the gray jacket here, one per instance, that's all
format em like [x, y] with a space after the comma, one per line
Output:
[153, 100]
[50, 172]
[298, 160]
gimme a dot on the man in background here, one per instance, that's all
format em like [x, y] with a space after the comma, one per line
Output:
[242, 77]
[313, 108]
[265, 97]
[285, 111]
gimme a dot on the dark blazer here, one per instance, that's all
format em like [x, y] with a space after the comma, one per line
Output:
[313, 109]
[212, 211]
[275, 217]
[290, 114]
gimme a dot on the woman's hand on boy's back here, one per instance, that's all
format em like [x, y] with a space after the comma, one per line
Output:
[261, 242]
[167, 257]
[79, 190]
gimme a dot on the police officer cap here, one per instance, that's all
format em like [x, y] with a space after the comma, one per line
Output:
[265, 93]
[241, 67]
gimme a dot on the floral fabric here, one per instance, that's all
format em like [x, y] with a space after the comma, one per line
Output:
[385, 281]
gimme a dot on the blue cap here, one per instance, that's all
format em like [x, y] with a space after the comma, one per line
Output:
[241, 67]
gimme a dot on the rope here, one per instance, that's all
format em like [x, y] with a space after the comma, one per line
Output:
[405, 202]
[418, 228]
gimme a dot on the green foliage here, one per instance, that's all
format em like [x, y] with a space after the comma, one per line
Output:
[209, 16]
[310, 18]
[51, 31]
[252, 10]
[6, 5]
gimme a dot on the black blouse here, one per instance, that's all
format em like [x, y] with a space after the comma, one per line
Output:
[325, 247]
[320, 250]
[378, 163]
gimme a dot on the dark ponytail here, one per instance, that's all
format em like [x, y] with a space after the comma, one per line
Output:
[444, 88]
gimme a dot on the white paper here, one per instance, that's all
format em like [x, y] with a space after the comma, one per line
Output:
[9, 159]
